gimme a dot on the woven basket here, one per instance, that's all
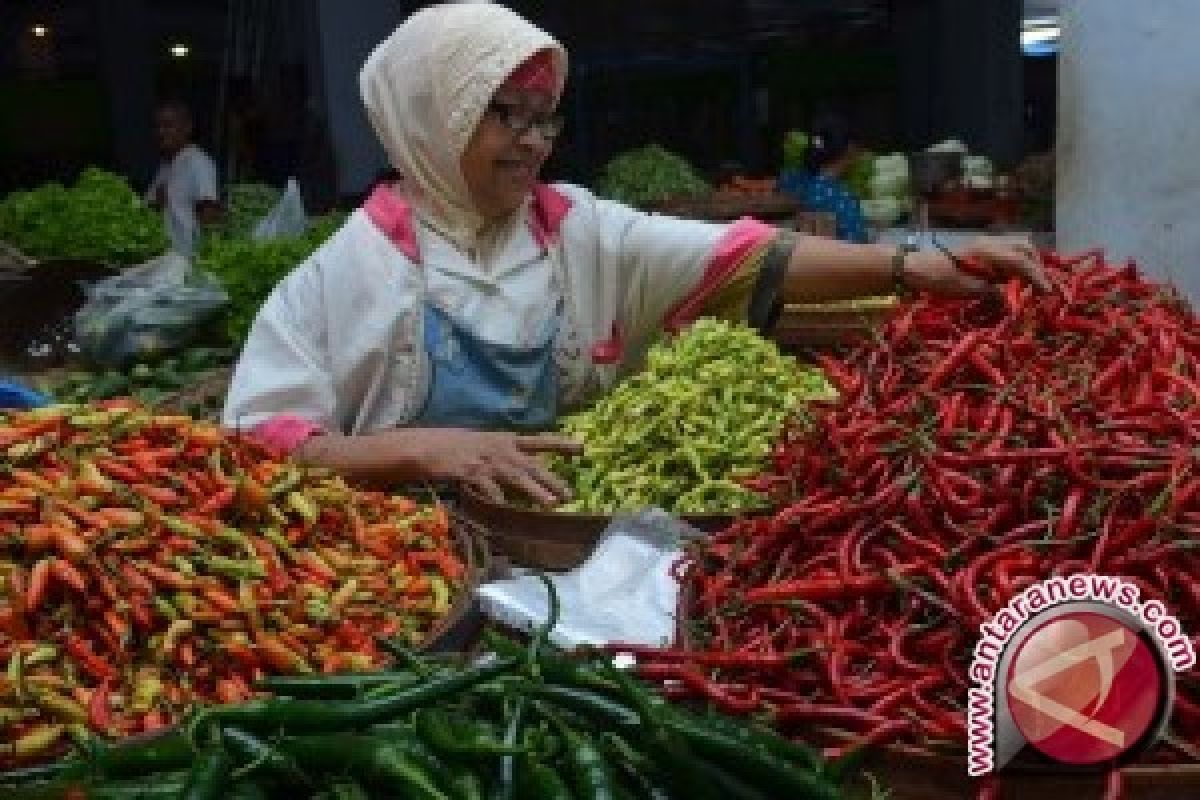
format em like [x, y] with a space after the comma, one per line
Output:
[206, 393]
[552, 539]
[457, 631]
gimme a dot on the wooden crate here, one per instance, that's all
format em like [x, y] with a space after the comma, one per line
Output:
[553, 539]
[803, 327]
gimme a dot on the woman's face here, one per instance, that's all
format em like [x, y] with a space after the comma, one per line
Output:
[507, 150]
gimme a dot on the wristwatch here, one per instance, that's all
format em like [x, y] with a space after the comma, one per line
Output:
[911, 244]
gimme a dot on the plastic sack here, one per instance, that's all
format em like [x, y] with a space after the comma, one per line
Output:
[146, 311]
[624, 592]
[287, 219]
[15, 395]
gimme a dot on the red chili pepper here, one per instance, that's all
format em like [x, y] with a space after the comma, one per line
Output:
[88, 661]
[219, 501]
[99, 712]
[1070, 513]
[952, 361]
[822, 589]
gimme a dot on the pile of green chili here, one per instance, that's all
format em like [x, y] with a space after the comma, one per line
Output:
[526, 721]
[682, 433]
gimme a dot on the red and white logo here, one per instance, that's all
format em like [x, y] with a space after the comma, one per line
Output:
[1084, 688]
[1075, 670]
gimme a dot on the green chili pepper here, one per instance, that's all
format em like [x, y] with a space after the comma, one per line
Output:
[312, 716]
[165, 786]
[751, 763]
[591, 775]
[210, 772]
[374, 759]
[307, 510]
[447, 734]
[589, 704]
[536, 781]
[680, 435]
[233, 568]
[467, 786]
[256, 755]
[330, 687]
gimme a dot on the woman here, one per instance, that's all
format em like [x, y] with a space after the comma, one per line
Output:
[461, 309]
[820, 185]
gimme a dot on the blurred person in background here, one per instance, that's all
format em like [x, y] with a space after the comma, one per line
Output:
[820, 185]
[185, 186]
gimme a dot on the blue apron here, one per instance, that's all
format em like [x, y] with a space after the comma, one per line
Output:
[478, 384]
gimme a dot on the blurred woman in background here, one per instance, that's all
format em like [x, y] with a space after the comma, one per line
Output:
[821, 186]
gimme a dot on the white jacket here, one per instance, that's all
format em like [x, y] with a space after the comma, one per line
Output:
[340, 341]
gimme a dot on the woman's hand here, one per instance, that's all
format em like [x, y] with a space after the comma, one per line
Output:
[488, 462]
[494, 462]
[934, 272]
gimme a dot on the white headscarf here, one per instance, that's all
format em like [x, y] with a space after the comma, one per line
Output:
[426, 88]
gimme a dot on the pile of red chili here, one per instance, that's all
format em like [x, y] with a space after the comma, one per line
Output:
[977, 448]
[150, 562]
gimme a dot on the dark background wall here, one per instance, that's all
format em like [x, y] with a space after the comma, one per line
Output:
[717, 80]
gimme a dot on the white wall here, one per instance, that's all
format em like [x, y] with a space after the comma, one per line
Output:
[1129, 134]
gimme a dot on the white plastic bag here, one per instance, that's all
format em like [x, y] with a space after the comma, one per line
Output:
[146, 311]
[624, 592]
[287, 219]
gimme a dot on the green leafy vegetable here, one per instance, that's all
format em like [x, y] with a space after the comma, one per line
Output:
[99, 219]
[250, 269]
[248, 203]
[679, 435]
[795, 148]
[649, 175]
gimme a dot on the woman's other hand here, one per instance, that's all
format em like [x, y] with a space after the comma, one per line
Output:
[495, 464]
[491, 463]
[998, 258]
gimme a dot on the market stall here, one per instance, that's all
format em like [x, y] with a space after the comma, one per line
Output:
[186, 611]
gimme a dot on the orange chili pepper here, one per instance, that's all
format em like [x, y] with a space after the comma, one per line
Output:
[71, 545]
[221, 600]
[39, 581]
[115, 469]
[219, 501]
[67, 573]
[158, 494]
[166, 577]
[278, 655]
[38, 538]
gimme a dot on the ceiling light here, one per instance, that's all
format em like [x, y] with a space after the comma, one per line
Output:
[40, 31]
[180, 50]
[1035, 36]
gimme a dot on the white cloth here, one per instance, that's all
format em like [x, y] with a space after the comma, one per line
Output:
[340, 340]
[188, 178]
[624, 592]
[427, 86]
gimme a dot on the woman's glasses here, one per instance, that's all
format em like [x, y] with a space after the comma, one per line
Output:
[521, 120]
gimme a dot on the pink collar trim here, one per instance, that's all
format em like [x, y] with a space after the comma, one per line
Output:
[392, 214]
[549, 208]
